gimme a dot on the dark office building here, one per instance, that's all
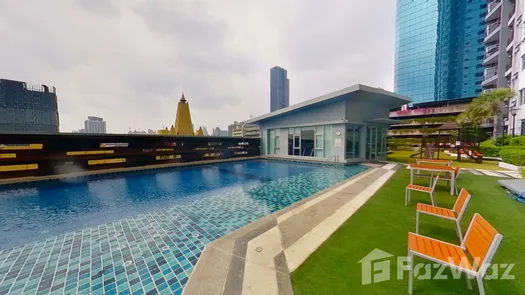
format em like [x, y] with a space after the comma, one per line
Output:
[26, 108]
[439, 49]
[279, 89]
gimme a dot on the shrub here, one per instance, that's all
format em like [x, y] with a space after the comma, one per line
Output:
[502, 140]
[517, 141]
[513, 155]
[489, 149]
[522, 171]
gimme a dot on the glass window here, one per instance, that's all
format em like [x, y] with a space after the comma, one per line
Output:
[290, 141]
[523, 62]
[319, 141]
[263, 142]
[271, 146]
[353, 141]
[522, 96]
[276, 149]
[307, 141]
[327, 141]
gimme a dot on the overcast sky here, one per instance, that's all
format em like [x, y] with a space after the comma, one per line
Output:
[129, 60]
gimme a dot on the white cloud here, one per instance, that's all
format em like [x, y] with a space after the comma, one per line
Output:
[129, 60]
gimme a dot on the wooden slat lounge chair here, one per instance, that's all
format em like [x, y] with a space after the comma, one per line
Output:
[455, 214]
[481, 243]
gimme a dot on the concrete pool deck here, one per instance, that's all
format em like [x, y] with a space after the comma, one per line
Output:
[258, 258]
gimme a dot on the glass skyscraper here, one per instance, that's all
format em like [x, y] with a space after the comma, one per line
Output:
[279, 89]
[439, 49]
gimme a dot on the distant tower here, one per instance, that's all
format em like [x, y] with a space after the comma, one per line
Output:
[183, 125]
[279, 89]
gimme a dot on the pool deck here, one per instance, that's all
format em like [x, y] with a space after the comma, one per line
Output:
[258, 258]
[56, 177]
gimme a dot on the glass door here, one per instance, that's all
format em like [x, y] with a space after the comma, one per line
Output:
[297, 145]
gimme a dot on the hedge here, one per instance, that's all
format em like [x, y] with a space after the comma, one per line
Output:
[517, 141]
[488, 148]
[513, 155]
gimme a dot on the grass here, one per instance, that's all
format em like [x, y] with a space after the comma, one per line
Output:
[404, 157]
[383, 223]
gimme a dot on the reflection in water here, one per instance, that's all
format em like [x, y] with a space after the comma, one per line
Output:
[108, 192]
[245, 190]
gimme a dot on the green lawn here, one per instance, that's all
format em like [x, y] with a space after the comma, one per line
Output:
[404, 157]
[383, 223]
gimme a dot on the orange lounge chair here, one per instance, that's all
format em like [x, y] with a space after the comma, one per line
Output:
[421, 188]
[455, 214]
[481, 243]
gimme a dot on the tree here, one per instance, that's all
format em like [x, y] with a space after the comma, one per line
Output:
[486, 106]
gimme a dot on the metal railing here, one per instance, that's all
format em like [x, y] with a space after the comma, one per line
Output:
[491, 49]
[332, 157]
[492, 5]
[492, 27]
[490, 72]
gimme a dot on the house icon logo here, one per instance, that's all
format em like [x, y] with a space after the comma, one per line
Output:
[375, 267]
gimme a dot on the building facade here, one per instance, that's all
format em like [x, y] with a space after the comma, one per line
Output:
[95, 125]
[348, 125]
[515, 49]
[26, 108]
[279, 89]
[243, 129]
[439, 49]
[218, 132]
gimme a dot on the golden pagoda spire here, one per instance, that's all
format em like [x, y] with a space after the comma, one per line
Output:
[183, 125]
[199, 132]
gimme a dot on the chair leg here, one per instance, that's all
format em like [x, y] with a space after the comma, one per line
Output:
[406, 196]
[432, 199]
[417, 222]
[410, 272]
[480, 285]
[458, 230]
[469, 281]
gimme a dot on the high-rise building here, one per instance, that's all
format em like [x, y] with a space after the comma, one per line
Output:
[439, 49]
[95, 125]
[499, 41]
[505, 26]
[279, 89]
[26, 108]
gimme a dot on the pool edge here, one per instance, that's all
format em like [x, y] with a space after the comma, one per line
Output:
[228, 254]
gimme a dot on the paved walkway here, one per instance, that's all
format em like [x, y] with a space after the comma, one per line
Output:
[493, 173]
[259, 258]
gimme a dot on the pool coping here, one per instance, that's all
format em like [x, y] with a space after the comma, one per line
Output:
[111, 171]
[258, 258]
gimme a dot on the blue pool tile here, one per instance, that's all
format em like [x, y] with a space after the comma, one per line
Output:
[156, 251]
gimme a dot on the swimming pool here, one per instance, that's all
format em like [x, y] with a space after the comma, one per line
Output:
[140, 233]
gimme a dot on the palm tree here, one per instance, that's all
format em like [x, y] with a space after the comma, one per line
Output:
[486, 106]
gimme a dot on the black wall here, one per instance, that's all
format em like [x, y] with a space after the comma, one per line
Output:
[137, 150]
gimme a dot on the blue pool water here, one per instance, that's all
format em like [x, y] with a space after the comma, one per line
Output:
[139, 233]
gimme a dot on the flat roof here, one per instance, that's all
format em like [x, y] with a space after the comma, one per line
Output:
[383, 94]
